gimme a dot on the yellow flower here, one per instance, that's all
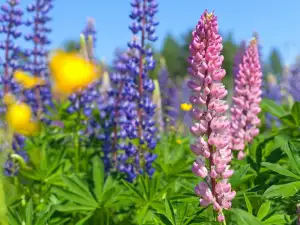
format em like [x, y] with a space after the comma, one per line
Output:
[27, 81]
[71, 73]
[9, 99]
[186, 107]
[178, 141]
[19, 119]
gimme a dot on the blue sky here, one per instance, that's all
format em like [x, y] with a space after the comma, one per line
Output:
[275, 21]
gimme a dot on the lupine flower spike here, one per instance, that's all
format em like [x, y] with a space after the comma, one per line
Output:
[211, 127]
[246, 100]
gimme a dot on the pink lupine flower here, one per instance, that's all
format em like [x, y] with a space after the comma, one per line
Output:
[247, 97]
[211, 126]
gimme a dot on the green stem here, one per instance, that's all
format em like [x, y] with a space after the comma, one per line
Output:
[77, 152]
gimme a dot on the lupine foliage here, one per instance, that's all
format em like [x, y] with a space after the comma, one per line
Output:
[87, 143]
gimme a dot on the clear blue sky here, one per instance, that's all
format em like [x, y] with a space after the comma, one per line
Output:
[276, 21]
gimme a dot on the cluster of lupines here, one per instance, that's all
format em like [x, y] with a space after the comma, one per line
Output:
[211, 128]
[39, 98]
[139, 88]
[11, 20]
[272, 91]
[170, 97]
[246, 100]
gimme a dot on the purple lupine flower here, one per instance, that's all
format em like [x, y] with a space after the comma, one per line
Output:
[139, 121]
[170, 98]
[205, 69]
[212, 126]
[11, 167]
[272, 91]
[123, 117]
[39, 98]
[10, 20]
[246, 99]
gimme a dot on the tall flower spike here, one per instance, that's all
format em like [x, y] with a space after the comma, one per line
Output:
[10, 20]
[211, 127]
[40, 97]
[246, 100]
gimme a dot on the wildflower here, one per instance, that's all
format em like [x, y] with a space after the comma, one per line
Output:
[27, 81]
[178, 141]
[186, 106]
[19, 119]
[246, 100]
[205, 69]
[141, 125]
[71, 73]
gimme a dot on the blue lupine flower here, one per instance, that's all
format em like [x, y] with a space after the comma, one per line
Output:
[136, 119]
[39, 98]
[10, 20]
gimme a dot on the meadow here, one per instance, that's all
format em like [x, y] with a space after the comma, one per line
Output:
[198, 134]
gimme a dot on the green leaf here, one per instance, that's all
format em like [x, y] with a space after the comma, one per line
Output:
[288, 120]
[271, 107]
[29, 212]
[134, 190]
[282, 190]
[277, 219]
[13, 218]
[248, 204]
[164, 220]
[296, 112]
[264, 210]
[281, 170]
[78, 187]
[170, 211]
[98, 177]
[73, 197]
[83, 221]
[294, 159]
[245, 218]
[70, 207]
[235, 180]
